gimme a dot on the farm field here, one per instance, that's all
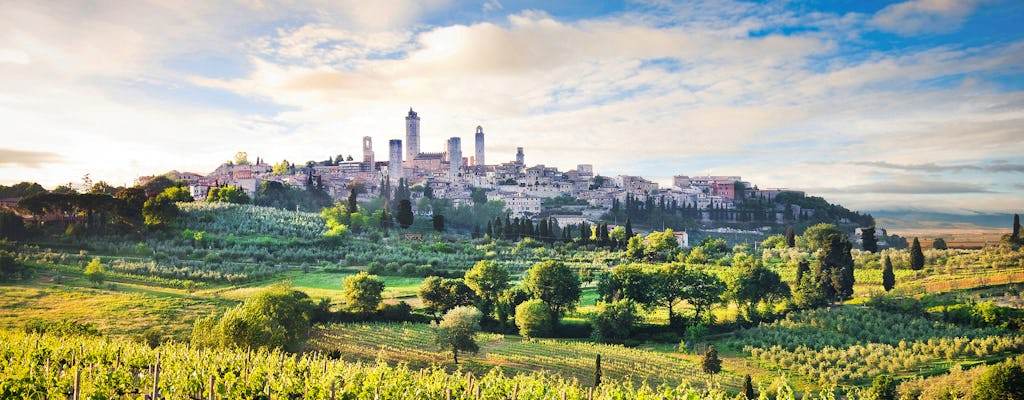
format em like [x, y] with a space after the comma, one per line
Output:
[413, 344]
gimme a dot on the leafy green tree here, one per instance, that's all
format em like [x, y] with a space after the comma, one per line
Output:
[488, 279]
[94, 271]
[276, 317]
[1001, 381]
[338, 218]
[703, 291]
[227, 194]
[178, 194]
[939, 244]
[614, 321]
[628, 281]
[159, 212]
[442, 294]
[774, 242]
[790, 237]
[362, 292]
[752, 283]
[815, 237]
[457, 331]
[883, 387]
[404, 215]
[888, 277]
[835, 273]
[282, 168]
[916, 256]
[554, 283]
[710, 363]
[635, 248]
[534, 319]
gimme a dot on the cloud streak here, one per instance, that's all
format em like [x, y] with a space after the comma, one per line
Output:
[27, 159]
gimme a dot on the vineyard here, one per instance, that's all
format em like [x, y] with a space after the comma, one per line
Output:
[852, 344]
[44, 367]
[413, 344]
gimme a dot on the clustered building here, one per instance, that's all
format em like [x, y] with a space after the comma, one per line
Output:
[522, 188]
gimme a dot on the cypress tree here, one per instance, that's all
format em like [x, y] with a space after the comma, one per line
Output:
[597, 371]
[916, 256]
[1016, 227]
[629, 228]
[867, 236]
[790, 237]
[748, 388]
[888, 278]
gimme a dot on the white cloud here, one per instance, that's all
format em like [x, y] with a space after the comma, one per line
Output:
[924, 16]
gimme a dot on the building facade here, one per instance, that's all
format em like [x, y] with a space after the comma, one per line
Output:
[412, 135]
[479, 161]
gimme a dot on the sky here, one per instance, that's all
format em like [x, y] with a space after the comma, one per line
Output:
[874, 105]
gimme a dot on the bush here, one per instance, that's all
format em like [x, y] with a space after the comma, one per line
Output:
[277, 317]
[613, 322]
[533, 318]
[65, 327]
[1001, 381]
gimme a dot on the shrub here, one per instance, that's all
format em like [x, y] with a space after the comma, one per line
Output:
[533, 318]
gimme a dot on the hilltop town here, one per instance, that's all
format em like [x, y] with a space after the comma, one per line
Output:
[570, 197]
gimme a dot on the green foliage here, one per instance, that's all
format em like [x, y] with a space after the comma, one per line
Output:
[488, 279]
[227, 194]
[22, 189]
[276, 317]
[554, 283]
[337, 218]
[442, 294]
[916, 256]
[268, 373]
[404, 214]
[883, 387]
[710, 363]
[10, 267]
[457, 330]
[868, 241]
[748, 388]
[752, 283]
[159, 212]
[815, 237]
[95, 272]
[888, 277]
[12, 226]
[1001, 381]
[939, 244]
[534, 319]
[613, 322]
[362, 292]
[774, 242]
[64, 327]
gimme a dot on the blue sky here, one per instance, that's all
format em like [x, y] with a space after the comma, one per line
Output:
[872, 104]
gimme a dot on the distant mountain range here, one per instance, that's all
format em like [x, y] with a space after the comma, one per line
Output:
[896, 220]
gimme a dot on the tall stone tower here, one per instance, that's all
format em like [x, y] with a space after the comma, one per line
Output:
[455, 155]
[412, 135]
[480, 146]
[395, 159]
[368, 152]
[520, 157]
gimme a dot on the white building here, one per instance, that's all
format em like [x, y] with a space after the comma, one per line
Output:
[518, 205]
